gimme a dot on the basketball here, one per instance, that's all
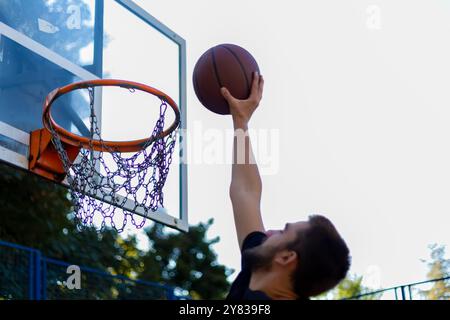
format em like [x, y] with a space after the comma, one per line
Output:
[225, 65]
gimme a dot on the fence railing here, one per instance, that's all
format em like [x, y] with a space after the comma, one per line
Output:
[424, 290]
[26, 274]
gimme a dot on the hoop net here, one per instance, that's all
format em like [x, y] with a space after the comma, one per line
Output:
[96, 178]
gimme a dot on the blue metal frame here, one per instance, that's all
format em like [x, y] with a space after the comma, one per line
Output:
[44, 282]
[37, 286]
[107, 275]
[31, 285]
[37, 274]
[98, 37]
[34, 276]
[401, 288]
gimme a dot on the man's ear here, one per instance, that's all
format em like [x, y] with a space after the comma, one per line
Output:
[286, 257]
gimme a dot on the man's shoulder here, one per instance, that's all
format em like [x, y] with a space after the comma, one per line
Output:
[239, 288]
[253, 239]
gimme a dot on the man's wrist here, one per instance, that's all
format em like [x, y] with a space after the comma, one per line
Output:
[239, 123]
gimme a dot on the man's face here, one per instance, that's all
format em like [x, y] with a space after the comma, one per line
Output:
[281, 238]
[277, 240]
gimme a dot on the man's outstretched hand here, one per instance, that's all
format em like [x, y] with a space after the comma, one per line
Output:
[246, 185]
[242, 110]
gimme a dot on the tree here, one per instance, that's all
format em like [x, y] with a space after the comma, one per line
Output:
[37, 213]
[186, 260]
[439, 268]
[350, 287]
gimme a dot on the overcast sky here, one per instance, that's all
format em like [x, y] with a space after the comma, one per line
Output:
[357, 98]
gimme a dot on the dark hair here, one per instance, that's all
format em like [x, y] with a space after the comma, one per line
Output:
[323, 258]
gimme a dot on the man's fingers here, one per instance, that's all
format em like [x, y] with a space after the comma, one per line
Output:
[261, 86]
[255, 84]
[256, 90]
[226, 94]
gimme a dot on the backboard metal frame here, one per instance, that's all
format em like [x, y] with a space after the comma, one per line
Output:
[148, 18]
[17, 141]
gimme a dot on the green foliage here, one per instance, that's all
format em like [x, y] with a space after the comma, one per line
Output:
[186, 261]
[37, 213]
[349, 287]
[439, 267]
[352, 287]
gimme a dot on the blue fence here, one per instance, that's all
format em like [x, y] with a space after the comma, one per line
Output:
[26, 274]
[425, 290]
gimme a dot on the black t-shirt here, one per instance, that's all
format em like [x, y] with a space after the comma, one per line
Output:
[239, 289]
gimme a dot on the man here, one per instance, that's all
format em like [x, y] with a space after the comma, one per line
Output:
[301, 261]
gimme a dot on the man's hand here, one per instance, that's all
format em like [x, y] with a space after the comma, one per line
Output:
[242, 110]
[246, 186]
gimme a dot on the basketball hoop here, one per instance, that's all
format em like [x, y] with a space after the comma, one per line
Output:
[98, 170]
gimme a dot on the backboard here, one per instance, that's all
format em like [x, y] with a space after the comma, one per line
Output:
[46, 44]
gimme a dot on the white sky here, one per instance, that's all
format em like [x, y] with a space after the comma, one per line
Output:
[362, 109]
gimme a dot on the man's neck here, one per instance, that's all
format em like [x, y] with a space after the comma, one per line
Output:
[274, 285]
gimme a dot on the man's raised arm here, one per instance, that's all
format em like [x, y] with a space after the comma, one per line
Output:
[246, 186]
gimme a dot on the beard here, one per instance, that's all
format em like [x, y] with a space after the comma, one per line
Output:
[259, 258]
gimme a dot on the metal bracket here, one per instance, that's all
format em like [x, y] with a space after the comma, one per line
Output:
[44, 159]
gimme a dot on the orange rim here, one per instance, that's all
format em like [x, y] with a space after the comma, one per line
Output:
[107, 146]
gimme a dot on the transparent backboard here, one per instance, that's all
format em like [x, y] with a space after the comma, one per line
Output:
[46, 44]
